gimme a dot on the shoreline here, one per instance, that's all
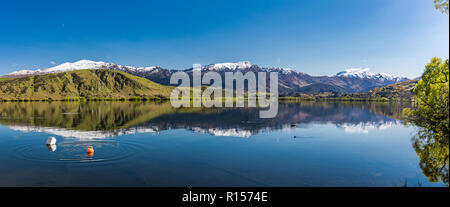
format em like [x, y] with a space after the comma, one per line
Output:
[164, 99]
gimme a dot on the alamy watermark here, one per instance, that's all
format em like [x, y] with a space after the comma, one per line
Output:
[215, 95]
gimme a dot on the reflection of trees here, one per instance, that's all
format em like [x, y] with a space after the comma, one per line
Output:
[105, 116]
[431, 115]
[90, 116]
[433, 151]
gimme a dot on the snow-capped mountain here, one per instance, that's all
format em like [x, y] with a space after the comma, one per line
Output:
[244, 66]
[229, 66]
[365, 74]
[23, 73]
[82, 64]
[290, 81]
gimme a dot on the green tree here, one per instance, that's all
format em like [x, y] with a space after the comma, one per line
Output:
[432, 94]
[441, 5]
[431, 115]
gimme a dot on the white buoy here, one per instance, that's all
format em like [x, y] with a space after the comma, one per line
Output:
[51, 147]
[51, 141]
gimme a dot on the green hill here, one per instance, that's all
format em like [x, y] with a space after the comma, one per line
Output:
[102, 84]
[317, 88]
[402, 90]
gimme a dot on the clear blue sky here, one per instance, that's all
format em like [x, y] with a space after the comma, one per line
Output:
[319, 37]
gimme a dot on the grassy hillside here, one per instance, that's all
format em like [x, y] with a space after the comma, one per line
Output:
[317, 88]
[81, 83]
[402, 90]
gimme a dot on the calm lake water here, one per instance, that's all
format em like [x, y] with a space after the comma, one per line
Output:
[149, 144]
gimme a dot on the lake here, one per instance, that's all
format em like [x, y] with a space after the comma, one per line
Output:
[153, 144]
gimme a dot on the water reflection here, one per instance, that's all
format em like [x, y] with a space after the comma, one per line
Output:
[433, 151]
[108, 119]
[306, 144]
[431, 143]
[51, 148]
[365, 127]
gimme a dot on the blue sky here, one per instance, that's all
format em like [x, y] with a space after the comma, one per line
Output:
[319, 37]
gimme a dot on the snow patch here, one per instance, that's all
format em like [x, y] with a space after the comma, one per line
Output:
[84, 64]
[230, 66]
[365, 73]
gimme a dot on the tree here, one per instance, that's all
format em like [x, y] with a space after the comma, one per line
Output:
[441, 5]
[432, 94]
[431, 115]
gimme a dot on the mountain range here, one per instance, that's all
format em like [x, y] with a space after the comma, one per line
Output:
[291, 82]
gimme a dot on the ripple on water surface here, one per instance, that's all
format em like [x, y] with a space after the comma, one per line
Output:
[69, 151]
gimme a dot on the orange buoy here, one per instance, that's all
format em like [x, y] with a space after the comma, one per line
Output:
[90, 154]
[90, 149]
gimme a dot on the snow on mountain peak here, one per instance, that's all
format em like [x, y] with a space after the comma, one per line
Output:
[230, 66]
[23, 72]
[82, 64]
[355, 72]
[288, 70]
[364, 73]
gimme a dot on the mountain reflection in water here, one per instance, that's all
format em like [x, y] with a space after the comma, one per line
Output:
[107, 119]
[306, 144]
